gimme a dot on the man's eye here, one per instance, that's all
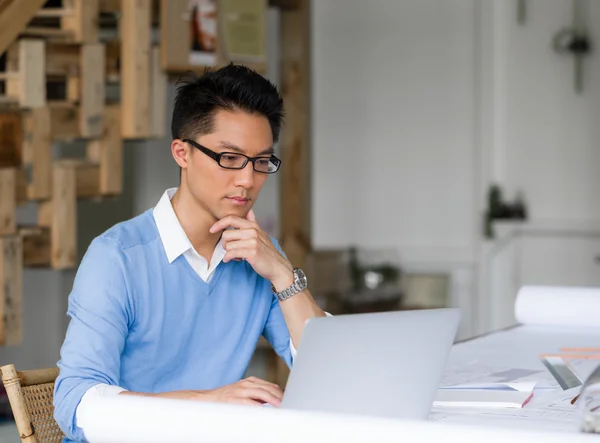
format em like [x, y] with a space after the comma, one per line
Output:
[230, 158]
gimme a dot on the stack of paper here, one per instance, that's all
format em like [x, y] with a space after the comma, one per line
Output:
[486, 395]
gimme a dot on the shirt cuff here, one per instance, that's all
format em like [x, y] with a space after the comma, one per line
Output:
[293, 350]
[99, 390]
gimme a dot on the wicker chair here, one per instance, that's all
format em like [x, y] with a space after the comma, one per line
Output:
[30, 394]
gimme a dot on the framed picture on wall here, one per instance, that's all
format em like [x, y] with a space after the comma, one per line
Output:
[203, 33]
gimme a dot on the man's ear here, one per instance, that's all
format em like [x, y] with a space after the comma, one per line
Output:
[180, 151]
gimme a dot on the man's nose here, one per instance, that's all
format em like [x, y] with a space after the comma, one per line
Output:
[245, 176]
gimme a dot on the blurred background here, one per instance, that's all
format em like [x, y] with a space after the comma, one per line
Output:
[436, 152]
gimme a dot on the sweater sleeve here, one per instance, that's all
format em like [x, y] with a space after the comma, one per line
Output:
[100, 314]
[276, 331]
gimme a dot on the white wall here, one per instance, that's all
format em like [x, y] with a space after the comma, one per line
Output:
[420, 105]
[551, 134]
[393, 141]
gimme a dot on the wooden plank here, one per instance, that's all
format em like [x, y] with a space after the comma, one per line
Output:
[14, 16]
[44, 218]
[63, 224]
[62, 59]
[37, 153]
[11, 139]
[285, 4]
[32, 77]
[64, 122]
[83, 23]
[11, 293]
[295, 140]
[21, 190]
[8, 201]
[174, 29]
[158, 91]
[111, 6]
[135, 68]
[107, 152]
[36, 246]
[92, 94]
[55, 12]
[87, 180]
[113, 60]
[73, 90]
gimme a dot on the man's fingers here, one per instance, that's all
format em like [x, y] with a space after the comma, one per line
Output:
[272, 388]
[260, 381]
[233, 221]
[239, 234]
[260, 394]
[242, 251]
[248, 401]
[250, 216]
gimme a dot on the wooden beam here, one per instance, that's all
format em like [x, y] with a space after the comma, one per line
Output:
[83, 22]
[87, 184]
[11, 139]
[60, 214]
[8, 201]
[87, 178]
[11, 290]
[295, 140]
[36, 246]
[158, 94]
[92, 94]
[135, 68]
[37, 153]
[285, 4]
[32, 61]
[14, 16]
[107, 153]
[113, 60]
[64, 122]
[26, 61]
[62, 59]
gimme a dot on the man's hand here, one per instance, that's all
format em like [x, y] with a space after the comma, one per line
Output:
[250, 391]
[249, 242]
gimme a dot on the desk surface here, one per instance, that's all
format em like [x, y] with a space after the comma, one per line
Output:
[512, 355]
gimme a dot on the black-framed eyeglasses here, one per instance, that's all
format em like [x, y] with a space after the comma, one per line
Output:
[235, 160]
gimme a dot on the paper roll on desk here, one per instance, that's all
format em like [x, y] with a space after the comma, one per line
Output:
[146, 419]
[558, 306]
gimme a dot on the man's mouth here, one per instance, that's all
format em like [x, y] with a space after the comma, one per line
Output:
[239, 200]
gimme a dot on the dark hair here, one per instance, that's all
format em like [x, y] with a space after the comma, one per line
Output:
[230, 88]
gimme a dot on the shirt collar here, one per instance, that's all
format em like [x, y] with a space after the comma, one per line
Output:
[173, 237]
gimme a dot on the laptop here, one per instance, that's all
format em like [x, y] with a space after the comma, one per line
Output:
[386, 364]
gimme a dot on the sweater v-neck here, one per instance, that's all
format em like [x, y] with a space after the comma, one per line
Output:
[206, 286]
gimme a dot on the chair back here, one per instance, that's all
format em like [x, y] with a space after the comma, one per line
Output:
[30, 394]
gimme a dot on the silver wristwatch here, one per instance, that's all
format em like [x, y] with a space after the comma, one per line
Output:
[299, 285]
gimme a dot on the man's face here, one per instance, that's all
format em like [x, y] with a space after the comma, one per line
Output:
[224, 192]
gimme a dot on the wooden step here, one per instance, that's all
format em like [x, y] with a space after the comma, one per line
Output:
[14, 16]
[36, 245]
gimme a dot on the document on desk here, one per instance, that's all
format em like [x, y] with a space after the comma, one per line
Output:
[485, 395]
[555, 321]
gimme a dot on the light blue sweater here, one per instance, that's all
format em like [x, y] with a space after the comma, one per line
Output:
[146, 325]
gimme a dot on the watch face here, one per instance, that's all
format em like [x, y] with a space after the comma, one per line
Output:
[301, 277]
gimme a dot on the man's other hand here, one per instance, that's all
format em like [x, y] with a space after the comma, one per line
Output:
[249, 391]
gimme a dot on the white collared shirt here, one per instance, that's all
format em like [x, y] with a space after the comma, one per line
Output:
[175, 242]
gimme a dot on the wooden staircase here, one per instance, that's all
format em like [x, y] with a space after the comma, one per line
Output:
[58, 78]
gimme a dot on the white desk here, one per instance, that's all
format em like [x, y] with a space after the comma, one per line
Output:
[143, 419]
[514, 353]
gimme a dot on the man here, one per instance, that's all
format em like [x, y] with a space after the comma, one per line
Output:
[172, 302]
